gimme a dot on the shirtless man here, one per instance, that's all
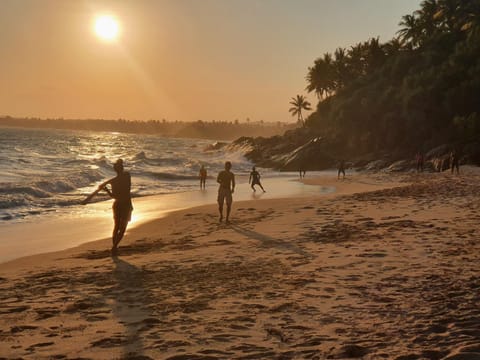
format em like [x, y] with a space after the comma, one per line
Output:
[254, 179]
[203, 177]
[122, 206]
[226, 179]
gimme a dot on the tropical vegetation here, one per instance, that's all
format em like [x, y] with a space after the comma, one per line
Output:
[419, 90]
[299, 103]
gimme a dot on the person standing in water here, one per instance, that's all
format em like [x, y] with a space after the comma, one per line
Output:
[226, 179]
[341, 169]
[254, 179]
[203, 177]
[122, 206]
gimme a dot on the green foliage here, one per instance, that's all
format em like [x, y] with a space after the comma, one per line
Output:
[299, 103]
[420, 89]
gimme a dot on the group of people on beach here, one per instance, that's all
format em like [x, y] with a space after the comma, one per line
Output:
[226, 181]
[119, 188]
[450, 161]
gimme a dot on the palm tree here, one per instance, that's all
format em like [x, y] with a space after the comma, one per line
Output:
[321, 78]
[411, 31]
[427, 18]
[299, 103]
[342, 73]
[356, 60]
[392, 47]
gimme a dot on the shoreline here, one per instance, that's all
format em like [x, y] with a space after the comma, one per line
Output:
[147, 209]
[378, 269]
[82, 224]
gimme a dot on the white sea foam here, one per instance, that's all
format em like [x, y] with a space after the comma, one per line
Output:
[43, 170]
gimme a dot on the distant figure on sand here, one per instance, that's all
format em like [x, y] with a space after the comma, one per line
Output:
[122, 206]
[203, 177]
[302, 172]
[341, 169]
[226, 179]
[420, 161]
[454, 162]
[254, 179]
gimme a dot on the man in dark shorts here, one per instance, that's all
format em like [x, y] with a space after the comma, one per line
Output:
[122, 206]
[226, 179]
[254, 179]
[420, 162]
[203, 177]
[454, 162]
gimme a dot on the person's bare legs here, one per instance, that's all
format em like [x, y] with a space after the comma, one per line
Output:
[220, 211]
[118, 232]
[114, 237]
[121, 231]
[229, 207]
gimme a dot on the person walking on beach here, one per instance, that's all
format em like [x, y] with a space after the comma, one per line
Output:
[203, 177]
[420, 161]
[341, 169]
[122, 206]
[226, 179]
[302, 172]
[454, 162]
[254, 179]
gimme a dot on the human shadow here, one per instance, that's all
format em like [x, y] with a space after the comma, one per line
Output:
[268, 241]
[257, 194]
[130, 306]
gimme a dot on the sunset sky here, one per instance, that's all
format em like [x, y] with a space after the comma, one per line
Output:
[175, 59]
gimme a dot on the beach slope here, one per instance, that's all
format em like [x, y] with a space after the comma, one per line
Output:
[385, 268]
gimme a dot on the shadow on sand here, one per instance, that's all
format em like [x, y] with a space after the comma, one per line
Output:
[268, 241]
[130, 306]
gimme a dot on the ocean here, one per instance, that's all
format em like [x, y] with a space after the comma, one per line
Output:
[44, 171]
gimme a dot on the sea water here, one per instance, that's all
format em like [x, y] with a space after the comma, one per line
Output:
[43, 171]
[45, 174]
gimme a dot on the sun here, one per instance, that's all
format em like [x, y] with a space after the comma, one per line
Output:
[107, 27]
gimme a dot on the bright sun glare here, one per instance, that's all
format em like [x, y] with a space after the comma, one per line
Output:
[106, 27]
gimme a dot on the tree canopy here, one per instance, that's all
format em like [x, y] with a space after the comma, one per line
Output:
[416, 91]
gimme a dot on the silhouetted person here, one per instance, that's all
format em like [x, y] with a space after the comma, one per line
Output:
[203, 177]
[341, 169]
[122, 206]
[254, 179]
[420, 162]
[226, 179]
[454, 162]
[302, 172]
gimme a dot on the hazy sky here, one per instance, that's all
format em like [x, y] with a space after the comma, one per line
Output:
[175, 59]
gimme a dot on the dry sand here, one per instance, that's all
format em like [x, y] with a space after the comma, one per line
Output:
[380, 269]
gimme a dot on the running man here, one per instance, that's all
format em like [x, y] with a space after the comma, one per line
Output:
[226, 179]
[254, 179]
[203, 177]
[122, 206]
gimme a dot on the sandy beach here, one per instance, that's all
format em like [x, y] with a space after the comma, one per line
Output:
[385, 267]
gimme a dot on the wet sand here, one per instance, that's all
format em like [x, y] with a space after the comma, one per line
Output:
[74, 226]
[387, 267]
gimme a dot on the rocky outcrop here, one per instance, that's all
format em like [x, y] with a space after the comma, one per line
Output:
[301, 149]
[293, 151]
